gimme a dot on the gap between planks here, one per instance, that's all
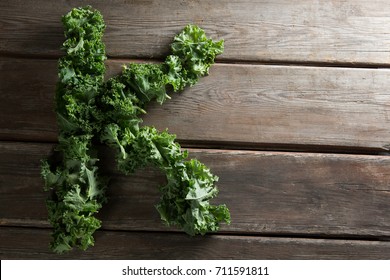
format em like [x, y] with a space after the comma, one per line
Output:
[221, 61]
[247, 147]
[16, 243]
[276, 235]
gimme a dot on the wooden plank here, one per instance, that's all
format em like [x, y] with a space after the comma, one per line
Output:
[352, 31]
[271, 105]
[27, 99]
[261, 105]
[267, 192]
[20, 243]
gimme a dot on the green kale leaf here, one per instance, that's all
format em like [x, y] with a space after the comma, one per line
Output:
[91, 111]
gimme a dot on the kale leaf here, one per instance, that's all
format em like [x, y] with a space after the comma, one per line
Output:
[92, 111]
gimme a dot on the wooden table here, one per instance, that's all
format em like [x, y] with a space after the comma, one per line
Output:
[294, 119]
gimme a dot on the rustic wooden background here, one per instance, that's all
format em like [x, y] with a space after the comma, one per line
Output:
[294, 119]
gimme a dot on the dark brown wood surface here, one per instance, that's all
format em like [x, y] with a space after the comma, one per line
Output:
[267, 192]
[293, 118]
[16, 243]
[354, 31]
[241, 104]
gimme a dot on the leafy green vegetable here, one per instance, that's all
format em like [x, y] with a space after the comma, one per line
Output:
[91, 111]
[196, 54]
[77, 190]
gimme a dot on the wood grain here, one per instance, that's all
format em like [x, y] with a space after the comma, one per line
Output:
[352, 31]
[267, 192]
[17, 243]
[27, 89]
[284, 205]
[251, 105]
[271, 105]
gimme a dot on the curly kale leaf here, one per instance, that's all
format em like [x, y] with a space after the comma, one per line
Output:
[89, 109]
[81, 71]
[118, 103]
[77, 190]
[84, 47]
[195, 52]
[147, 81]
[190, 184]
[185, 198]
[77, 193]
